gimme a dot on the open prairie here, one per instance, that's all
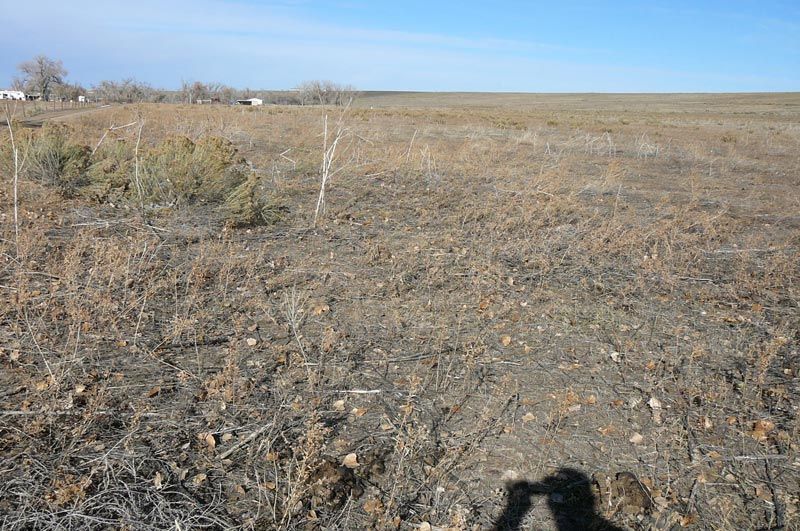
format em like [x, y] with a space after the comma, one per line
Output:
[509, 311]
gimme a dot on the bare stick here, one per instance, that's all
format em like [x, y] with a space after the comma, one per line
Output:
[616, 202]
[245, 442]
[756, 457]
[139, 189]
[294, 162]
[112, 128]
[41, 352]
[139, 321]
[324, 176]
[101, 139]
[410, 145]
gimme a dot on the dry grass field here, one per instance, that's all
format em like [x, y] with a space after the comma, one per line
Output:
[513, 312]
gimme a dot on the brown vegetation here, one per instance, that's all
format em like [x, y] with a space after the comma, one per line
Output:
[492, 294]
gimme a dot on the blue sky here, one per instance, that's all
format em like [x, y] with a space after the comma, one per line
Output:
[553, 46]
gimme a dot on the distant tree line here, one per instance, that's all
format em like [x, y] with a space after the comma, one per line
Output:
[307, 93]
[46, 78]
[191, 92]
[325, 93]
[126, 91]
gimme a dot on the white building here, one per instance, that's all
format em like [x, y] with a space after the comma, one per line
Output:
[251, 101]
[12, 95]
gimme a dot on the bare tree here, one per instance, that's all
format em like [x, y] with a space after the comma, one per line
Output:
[217, 91]
[317, 92]
[68, 91]
[125, 91]
[227, 94]
[310, 92]
[188, 94]
[41, 73]
[192, 91]
[344, 94]
[199, 91]
[18, 84]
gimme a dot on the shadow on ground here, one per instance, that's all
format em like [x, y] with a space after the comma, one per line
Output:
[569, 497]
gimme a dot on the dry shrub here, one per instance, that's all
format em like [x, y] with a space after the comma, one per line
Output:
[54, 160]
[179, 171]
[6, 155]
[248, 205]
[175, 173]
[109, 176]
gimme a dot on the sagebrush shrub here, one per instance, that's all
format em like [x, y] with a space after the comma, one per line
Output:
[179, 171]
[175, 173]
[53, 160]
[248, 204]
[109, 176]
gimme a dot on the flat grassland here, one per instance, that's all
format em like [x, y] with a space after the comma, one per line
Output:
[514, 311]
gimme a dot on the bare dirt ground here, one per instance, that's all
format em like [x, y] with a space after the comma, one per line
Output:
[39, 119]
[515, 312]
[36, 113]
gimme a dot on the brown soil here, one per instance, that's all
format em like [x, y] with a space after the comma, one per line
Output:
[592, 303]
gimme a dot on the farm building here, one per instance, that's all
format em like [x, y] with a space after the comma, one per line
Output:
[12, 95]
[250, 101]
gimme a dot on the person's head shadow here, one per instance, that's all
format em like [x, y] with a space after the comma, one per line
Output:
[570, 499]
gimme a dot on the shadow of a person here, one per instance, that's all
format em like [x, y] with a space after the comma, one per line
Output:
[570, 499]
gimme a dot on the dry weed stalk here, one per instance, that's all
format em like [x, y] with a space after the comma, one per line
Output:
[294, 313]
[329, 157]
[646, 149]
[299, 474]
[109, 130]
[136, 180]
[18, 165]
[411, 145]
